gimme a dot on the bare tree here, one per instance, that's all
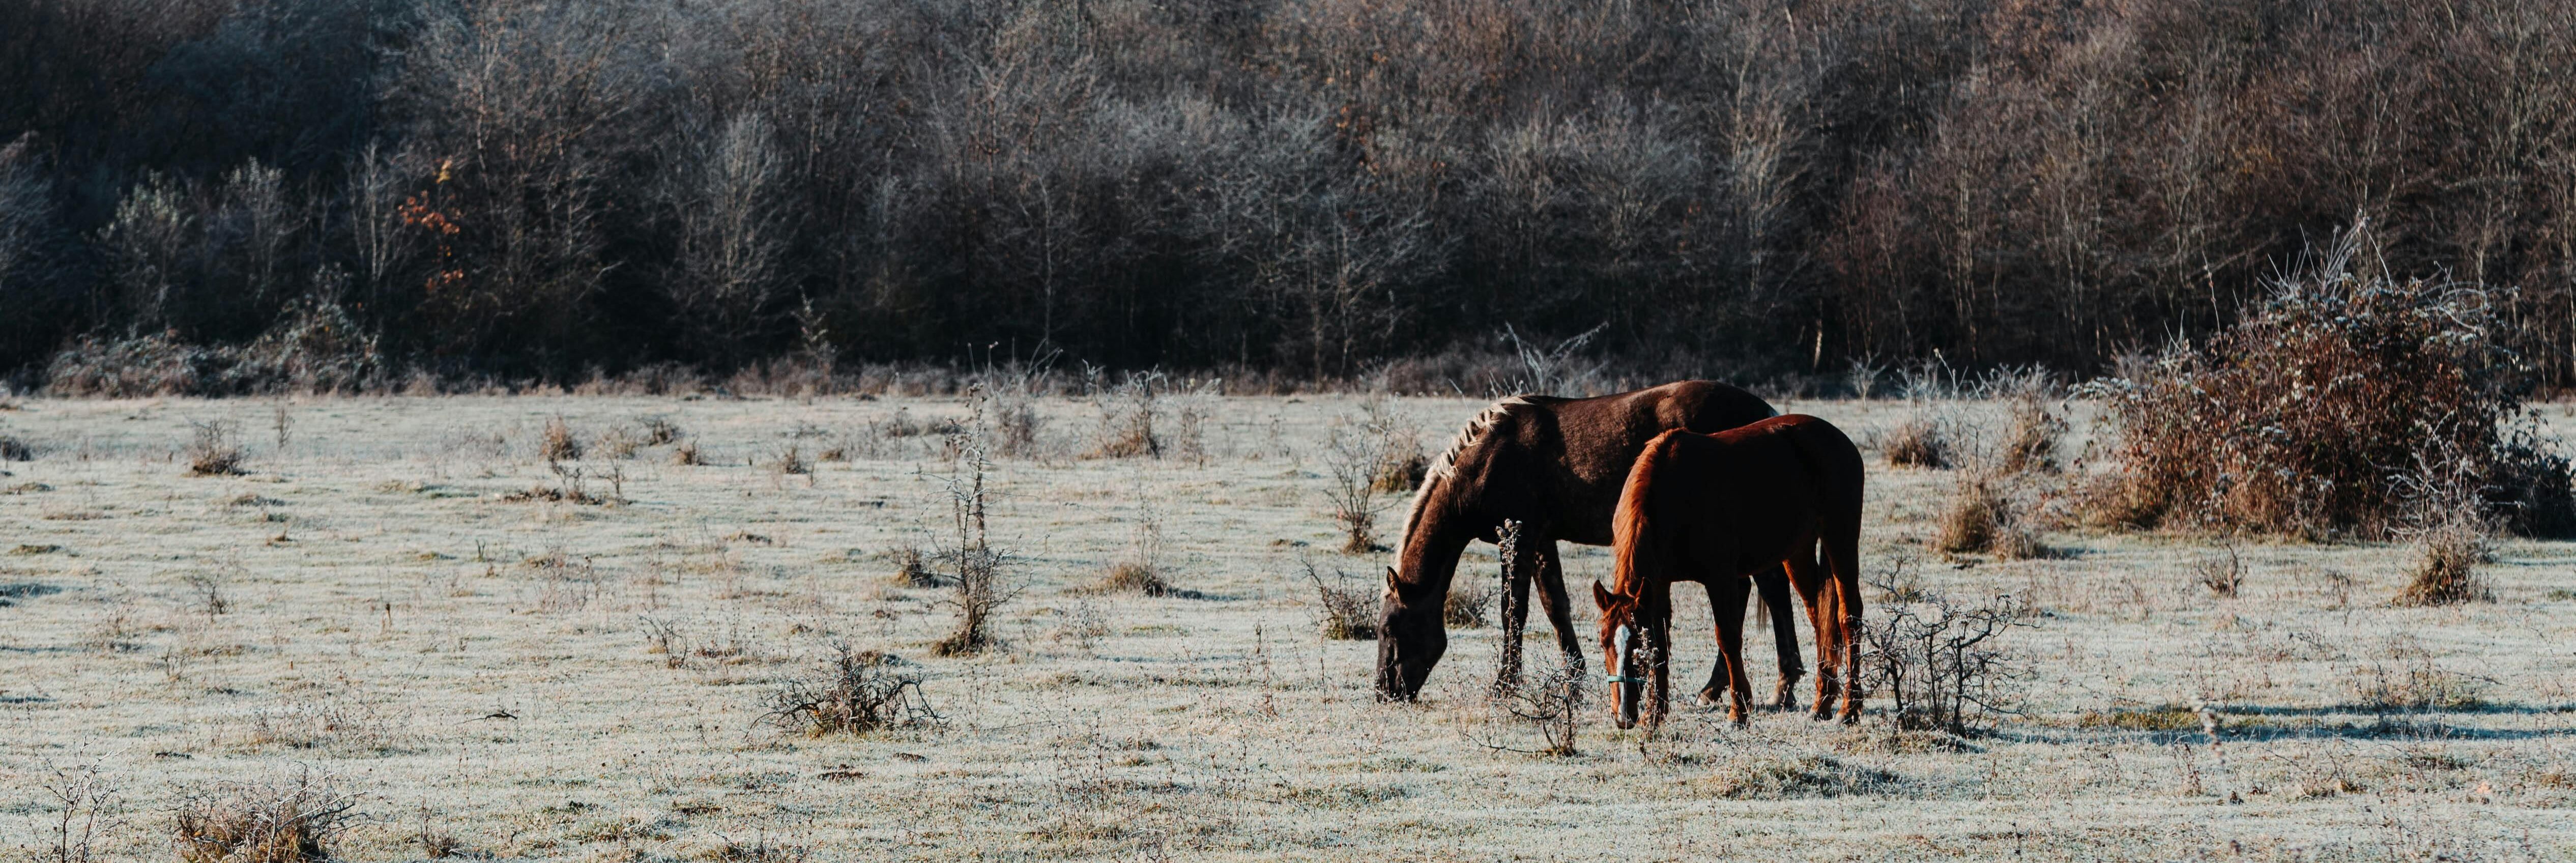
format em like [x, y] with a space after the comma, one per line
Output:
[731, 245]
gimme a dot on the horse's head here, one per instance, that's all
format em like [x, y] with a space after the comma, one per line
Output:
[1409, 641]
[1624, 637]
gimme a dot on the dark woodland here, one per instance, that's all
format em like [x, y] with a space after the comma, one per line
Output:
[1307, 188]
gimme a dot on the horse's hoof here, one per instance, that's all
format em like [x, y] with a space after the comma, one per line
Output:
[1711, 697]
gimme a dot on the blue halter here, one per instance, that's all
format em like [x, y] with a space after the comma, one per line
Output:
[1623, 637]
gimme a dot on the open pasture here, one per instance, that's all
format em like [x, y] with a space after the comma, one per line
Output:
[587, 671]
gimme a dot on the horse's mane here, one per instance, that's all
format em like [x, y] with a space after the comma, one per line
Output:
[1447, 462]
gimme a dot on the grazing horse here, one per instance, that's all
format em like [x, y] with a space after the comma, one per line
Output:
[1555, 465]
[1716, 509]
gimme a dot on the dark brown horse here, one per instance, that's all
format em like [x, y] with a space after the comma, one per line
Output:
[1717, 509]
[1555, 465]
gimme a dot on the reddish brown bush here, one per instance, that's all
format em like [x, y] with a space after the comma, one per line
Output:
[2305, 417]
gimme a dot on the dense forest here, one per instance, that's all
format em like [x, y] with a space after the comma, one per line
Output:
[1314, 187]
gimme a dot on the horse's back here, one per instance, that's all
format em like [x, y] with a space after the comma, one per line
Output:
[1587, 446]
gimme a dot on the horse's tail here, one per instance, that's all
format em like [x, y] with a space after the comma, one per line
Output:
[1631, 526]
[1842, 478]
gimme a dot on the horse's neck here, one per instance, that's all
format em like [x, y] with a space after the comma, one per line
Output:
[1433, 540]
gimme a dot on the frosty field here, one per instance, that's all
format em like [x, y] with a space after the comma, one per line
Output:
[368, 601]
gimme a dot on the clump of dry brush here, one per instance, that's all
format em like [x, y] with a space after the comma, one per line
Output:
[1345, 612]
[855, 692]
[214, 449]
[2305, 417]
[1994, 507]
[283, 820]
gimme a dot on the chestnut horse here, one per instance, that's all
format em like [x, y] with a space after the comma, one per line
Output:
[1716, 509]
[1555, 465]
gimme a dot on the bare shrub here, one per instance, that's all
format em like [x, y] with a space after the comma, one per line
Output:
[86, 810]
[1556, 369]
[2223, 573]
[1355, 453]
[855, 692]
[663, 638]
[1940, 663]
[206, 587]
[1345, 612]
[981, 577]
[571, 486]
[213, 449]
[288, 819]
[1862, 374]
[558, 442]
[13, 448]
[1549, 711]
[2288, 421]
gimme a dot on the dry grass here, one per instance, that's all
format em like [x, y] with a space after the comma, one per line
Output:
[1136, 578]
[1981, 516]
[405, 637]
[558, 442]
[2446, 567]
[1919, 442]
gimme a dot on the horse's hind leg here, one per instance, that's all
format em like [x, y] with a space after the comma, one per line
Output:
[1842, 554]
[1817, 591]
[1784, 636]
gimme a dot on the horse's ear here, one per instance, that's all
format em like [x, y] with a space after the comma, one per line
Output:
[1390, 579]
[1600, 595]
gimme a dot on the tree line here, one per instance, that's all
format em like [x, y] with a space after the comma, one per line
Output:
[1314, 187]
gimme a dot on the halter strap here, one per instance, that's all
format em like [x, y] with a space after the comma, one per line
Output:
[1613, 678]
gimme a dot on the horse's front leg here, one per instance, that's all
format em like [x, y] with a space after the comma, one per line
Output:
[1718, 603]
[1560, 613]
